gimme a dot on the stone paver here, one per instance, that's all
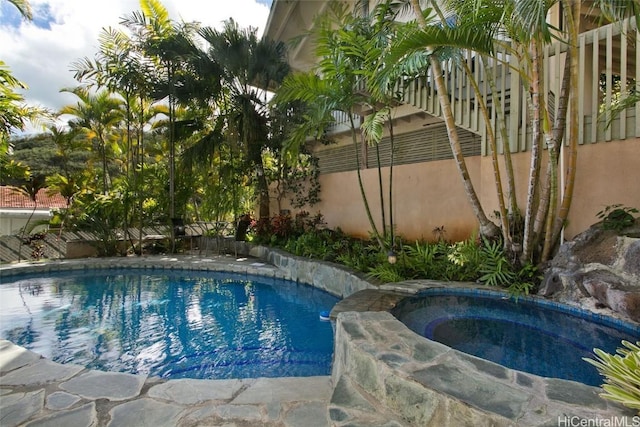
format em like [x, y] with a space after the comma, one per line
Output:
[19, 407]
[83, 416]
[14, 357]
[61, 400]
[145, 412]
[105, 385]
[313, 414]
[285, 390]
[41, 372]
[44, 393]
[189, 392]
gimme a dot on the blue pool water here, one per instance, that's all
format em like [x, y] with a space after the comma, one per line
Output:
[541, 338]
[176, 324]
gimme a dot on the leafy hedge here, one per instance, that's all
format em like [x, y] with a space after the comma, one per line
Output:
[469, 260]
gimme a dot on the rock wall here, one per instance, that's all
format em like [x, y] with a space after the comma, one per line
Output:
[333, 278]
[599, 269]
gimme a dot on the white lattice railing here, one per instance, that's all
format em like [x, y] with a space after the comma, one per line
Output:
[607, 55]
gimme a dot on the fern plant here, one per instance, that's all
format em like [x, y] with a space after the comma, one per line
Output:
[622, 374]
[495, 267]
[386, 273]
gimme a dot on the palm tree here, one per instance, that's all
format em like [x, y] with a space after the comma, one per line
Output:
[330, 87]
[525, 31]
[248, 67]
[13, 112]
[97, 115]
[169, 46]
[121, 67]
[487, 227]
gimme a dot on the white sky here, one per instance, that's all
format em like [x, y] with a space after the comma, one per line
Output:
[41, 56]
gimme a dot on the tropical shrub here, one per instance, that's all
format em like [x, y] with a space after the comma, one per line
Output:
[617, 217]
[622, 374]
[469, 260]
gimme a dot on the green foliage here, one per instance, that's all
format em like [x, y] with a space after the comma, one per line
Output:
[622, 374]
[13, 112]
[617, 217]
[496, 269]
[466, 255]
[41, 155]
[525, 282]
[101, 214]
[468, 260]
[358, 254]
[424, 259]
[386, 273]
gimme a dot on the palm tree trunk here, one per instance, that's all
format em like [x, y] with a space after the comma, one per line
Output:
[487, 228]
[491, 137]
[534, 170]
[363, 194]
[572, 9]
[391, 224]
[549, 196]
[140, 180]
[382, 209]
[263, 189]
[514, 210]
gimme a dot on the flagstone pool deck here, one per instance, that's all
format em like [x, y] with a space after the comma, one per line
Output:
[37, 392]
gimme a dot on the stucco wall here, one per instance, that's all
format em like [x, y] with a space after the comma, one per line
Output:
[429, 195]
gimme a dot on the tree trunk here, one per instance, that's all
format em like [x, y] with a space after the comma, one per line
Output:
[534, 170]
[381, 191]
[549, 197]
[514, 210]
[572, 9]
[263, 189]
[487, 228]
[363, 194]
[491, 137]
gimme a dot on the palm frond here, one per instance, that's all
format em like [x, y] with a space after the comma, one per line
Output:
[617, 10]
[373, 125]
[23, 7]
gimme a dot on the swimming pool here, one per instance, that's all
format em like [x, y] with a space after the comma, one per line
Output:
[170, 324]
[539, 337]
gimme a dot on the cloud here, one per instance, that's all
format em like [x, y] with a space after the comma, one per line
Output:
[40, 53]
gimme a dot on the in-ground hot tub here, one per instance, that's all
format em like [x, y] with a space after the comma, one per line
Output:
[527, 334]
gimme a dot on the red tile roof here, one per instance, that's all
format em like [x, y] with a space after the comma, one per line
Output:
[11, 197]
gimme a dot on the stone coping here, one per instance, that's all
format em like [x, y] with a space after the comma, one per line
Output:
[414, 381]
[243, 265]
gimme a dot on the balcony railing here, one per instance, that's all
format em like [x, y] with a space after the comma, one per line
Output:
[609, 65]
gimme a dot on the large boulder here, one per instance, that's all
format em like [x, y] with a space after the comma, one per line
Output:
[598, 268]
